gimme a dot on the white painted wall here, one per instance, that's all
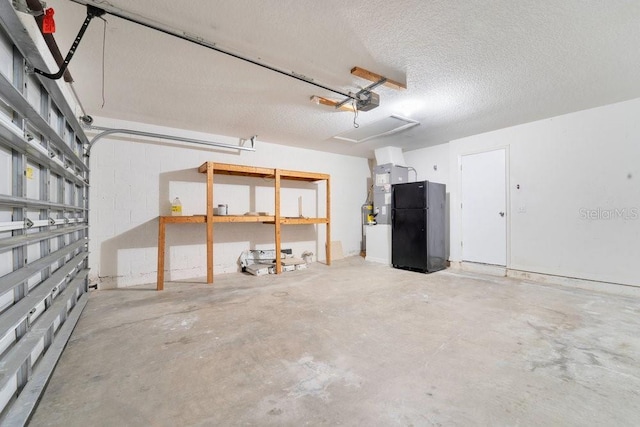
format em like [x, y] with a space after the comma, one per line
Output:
[432, 164]
[568, 167]
[132, 183]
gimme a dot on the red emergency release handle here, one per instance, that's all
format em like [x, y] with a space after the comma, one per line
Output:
[92, 12]
[48, 24]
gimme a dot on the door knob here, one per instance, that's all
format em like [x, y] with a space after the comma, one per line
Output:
[501, 214]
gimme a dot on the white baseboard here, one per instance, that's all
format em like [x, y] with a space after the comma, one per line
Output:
[377, 260]
[190, 274]
[572, 282]
[591, 285]
[472, 267]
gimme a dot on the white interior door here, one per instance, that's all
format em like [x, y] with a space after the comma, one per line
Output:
[484, 215]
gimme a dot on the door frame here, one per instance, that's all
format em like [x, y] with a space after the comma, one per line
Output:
[507, 190]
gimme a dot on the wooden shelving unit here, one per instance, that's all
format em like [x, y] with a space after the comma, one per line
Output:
[278, 175]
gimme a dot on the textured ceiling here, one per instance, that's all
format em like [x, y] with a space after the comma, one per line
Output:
[470, 66]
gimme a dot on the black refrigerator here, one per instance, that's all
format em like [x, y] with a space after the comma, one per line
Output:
[418, 226]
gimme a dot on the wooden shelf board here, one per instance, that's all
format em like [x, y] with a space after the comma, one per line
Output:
[244, 218]
[194, 219]
[293, 221]
[300, 221]
[228, 169]
[302, 176]
[201, 219]
[240, 170]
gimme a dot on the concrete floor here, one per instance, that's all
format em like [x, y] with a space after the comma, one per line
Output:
[351, 344]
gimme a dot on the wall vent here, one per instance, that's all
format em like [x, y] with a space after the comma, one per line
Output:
[386, 126]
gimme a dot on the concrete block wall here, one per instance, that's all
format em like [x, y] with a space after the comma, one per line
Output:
[133, 181]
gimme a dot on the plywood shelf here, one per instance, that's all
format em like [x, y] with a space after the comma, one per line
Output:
[201, 219]
[244, 218]
[302, 221]
[302, 176]
[195, 219]
[278, 175]
[229, 169]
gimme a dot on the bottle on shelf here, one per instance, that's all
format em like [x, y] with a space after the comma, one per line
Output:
[176, 207]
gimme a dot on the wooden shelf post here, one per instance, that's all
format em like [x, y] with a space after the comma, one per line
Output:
[161, 244]
[278, 223]
[328, 226]
[209, 222]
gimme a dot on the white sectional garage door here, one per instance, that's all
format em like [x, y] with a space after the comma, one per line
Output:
[43, 223]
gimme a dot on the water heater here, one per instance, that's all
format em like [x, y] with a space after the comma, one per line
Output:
[384, 176]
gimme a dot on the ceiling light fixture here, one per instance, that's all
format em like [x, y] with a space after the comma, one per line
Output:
[407, 107]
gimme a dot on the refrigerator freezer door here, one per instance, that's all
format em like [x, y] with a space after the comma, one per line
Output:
[436, 227]
[409, 239]
[410, 196]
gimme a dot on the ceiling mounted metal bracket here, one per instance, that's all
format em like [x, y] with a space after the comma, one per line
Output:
[363, 96]
[252, 140]
[92, 12]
